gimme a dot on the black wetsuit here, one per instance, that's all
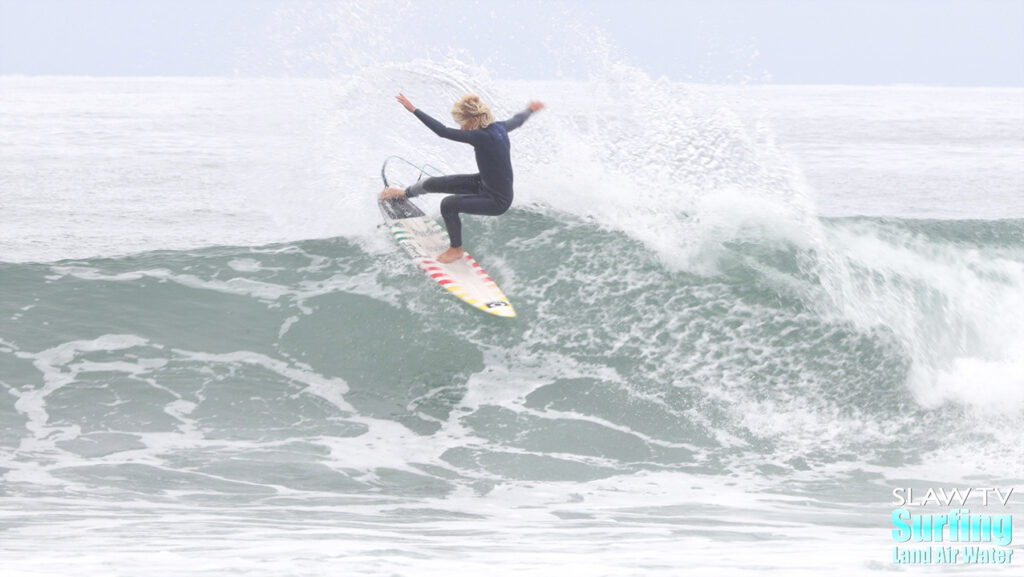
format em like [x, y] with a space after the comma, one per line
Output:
[487, 193]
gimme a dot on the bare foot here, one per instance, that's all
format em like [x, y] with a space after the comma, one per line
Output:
[389, 193]
[451, 255]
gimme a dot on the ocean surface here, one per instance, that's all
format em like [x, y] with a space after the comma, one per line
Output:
[746, 315]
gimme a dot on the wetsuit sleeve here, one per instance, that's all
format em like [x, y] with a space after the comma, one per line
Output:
[517, 120]
[415, 190]
[468, 136]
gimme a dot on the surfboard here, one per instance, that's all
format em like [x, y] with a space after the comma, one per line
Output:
[423, 239]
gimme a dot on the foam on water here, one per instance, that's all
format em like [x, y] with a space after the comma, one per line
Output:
[954, 309]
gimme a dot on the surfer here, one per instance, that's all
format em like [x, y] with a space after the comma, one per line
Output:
[488, 192]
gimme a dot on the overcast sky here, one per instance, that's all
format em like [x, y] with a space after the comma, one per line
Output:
[938, 42]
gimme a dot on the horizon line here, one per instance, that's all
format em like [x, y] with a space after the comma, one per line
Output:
[764, 84]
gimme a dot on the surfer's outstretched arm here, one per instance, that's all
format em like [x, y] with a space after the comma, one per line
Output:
[405, 102]
[518, 120]
[467, 136]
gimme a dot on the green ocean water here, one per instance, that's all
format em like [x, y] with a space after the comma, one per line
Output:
[621, 364]
[213, 361]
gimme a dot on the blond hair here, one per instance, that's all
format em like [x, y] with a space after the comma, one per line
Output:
[470, 107]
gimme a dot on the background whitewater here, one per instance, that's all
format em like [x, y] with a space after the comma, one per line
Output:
[712, 354]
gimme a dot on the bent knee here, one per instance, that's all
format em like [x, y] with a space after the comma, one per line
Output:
[450, 205]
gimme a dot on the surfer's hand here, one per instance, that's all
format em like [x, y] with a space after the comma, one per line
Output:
[405, 102]
[389, 193]
[536, 105]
